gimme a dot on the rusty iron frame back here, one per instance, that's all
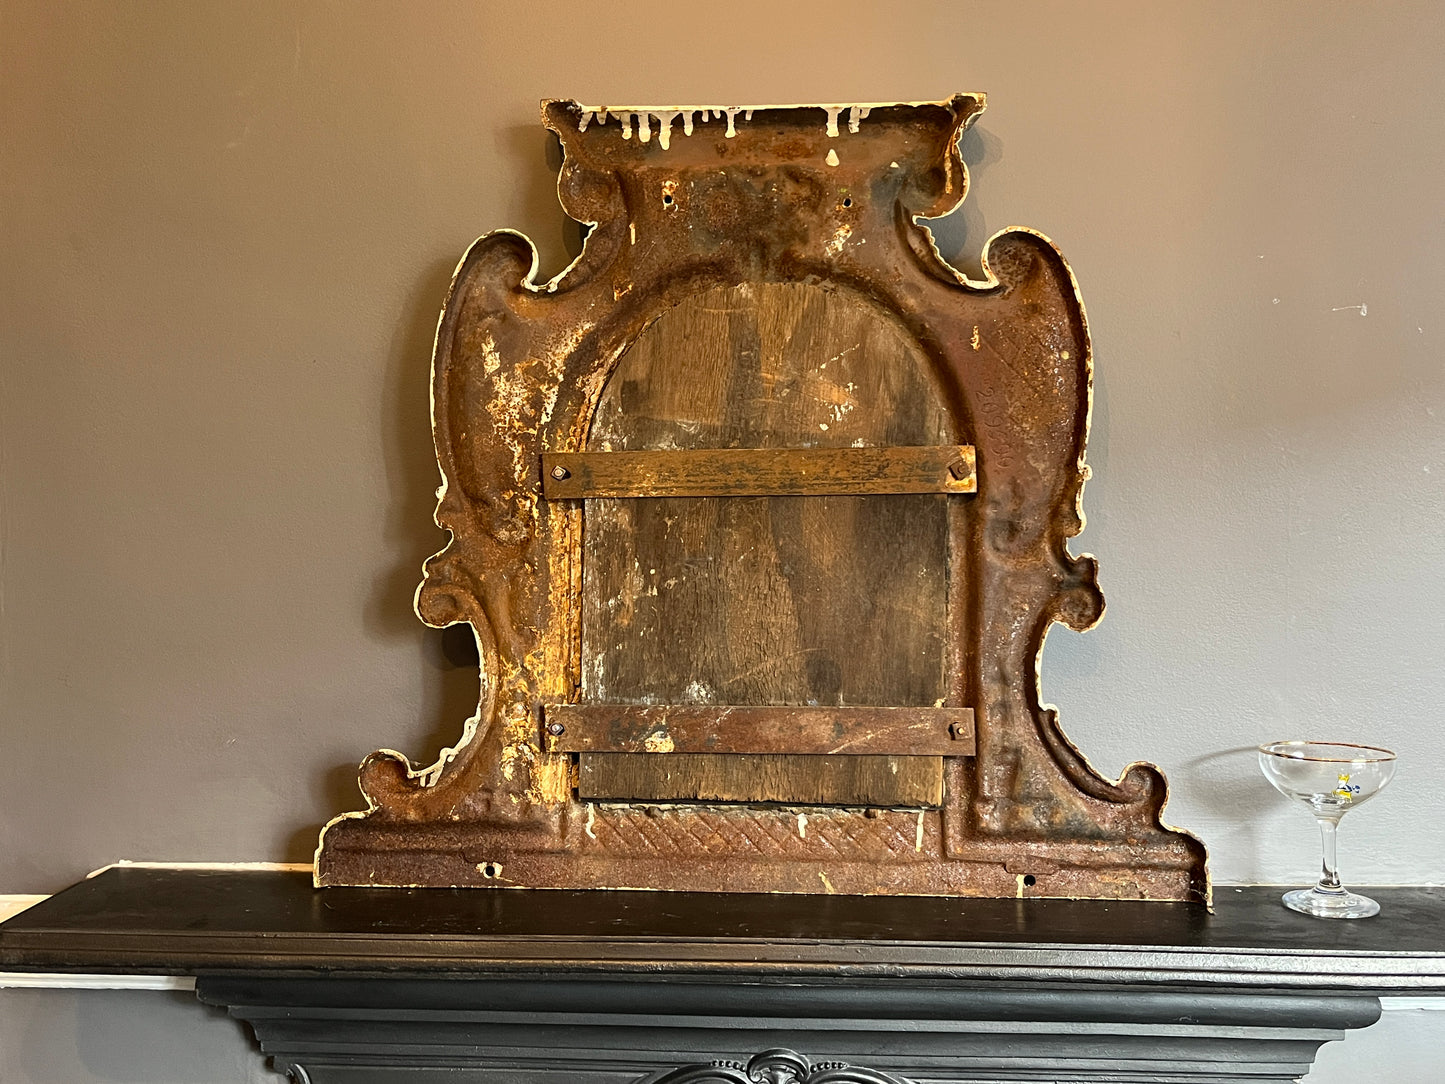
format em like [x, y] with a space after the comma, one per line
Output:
[680, 201]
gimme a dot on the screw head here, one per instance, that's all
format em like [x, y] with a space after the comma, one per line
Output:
[560, 473]
[556, 729]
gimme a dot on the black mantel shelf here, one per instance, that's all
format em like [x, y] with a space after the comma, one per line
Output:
[547, 986]
[187, 922]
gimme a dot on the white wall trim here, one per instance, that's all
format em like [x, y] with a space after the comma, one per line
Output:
[124, 863]
[1398, 1004]
[20, 980]
[17, 980]
[13, 904]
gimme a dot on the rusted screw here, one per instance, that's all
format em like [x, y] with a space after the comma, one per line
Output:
[956, 732]
[556, 729]
[959, 469]
[561, 472]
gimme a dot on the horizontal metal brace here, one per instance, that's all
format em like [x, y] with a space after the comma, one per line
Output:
[746, 472]
[714, 728]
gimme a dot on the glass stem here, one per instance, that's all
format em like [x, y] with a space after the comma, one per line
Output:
[1330, 870]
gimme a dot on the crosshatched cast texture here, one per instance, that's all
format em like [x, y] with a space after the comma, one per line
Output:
[787, 210]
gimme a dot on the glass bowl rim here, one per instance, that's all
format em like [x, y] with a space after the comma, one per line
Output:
[1281, 749]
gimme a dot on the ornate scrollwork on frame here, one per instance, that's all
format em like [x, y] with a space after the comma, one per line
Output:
[778, 1066]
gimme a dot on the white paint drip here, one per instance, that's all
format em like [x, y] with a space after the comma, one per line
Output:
[918, 834]
[832, 158]
[802, 826]
[641, 116]
[591, 819]
[1364, 310]
[642, 120]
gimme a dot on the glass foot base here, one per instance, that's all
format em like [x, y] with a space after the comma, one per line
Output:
[1322, 904]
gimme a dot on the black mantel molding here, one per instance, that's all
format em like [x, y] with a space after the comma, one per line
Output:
[361, 986]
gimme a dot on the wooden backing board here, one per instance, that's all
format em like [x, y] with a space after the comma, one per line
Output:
[907, 782]
[715, 728]
[743, 596]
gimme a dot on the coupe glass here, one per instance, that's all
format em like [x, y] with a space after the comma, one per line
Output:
[1331, 778]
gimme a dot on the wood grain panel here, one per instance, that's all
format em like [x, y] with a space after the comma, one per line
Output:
[899, 782]
[821, 600]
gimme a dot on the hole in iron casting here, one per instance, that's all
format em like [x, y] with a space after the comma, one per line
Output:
[490, 870]
[1029, 879]
[847, 201]
[667, 200]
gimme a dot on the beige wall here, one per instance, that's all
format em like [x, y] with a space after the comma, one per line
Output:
[225, 230]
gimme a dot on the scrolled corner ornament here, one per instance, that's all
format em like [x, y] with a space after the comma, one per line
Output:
[777, 1066]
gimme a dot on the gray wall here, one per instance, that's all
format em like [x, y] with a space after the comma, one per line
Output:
[225, 230]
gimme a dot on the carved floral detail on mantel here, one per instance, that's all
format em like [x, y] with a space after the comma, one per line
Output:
[776, 1066]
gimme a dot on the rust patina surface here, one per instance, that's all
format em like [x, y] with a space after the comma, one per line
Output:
[737, 204]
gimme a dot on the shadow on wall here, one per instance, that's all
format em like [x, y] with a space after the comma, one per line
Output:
[960, 235]
[1228, 782]
[451, 687]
